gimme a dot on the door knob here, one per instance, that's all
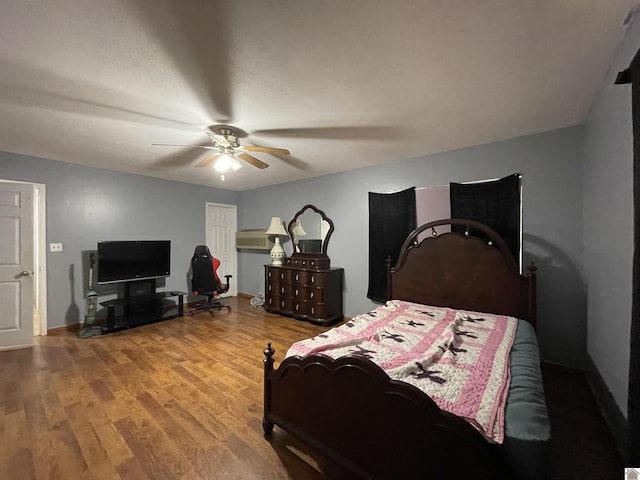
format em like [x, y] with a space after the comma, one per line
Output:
[25, 273]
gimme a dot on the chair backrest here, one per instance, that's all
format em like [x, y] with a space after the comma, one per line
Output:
[204, 276]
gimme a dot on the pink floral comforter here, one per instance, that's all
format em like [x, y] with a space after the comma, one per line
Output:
[459, 358]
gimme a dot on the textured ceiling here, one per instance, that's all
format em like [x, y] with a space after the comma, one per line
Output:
[342, 84]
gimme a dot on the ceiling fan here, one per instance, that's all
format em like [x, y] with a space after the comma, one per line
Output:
[228, 152]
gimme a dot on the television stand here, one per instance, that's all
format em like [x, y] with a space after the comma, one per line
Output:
[141, 305]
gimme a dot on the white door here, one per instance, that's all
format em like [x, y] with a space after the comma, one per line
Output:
[221, 225]
[16, 264]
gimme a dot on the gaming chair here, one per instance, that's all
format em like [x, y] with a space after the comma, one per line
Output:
[205, 280]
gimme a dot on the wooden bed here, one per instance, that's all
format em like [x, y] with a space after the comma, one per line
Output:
[352, 412]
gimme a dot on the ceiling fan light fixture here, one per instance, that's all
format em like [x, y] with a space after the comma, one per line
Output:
[227, 153]
[235, 163]
[223, 164]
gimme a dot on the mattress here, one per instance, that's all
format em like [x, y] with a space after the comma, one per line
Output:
[525, 450]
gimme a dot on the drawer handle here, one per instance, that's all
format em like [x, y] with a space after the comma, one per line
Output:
[282, 304]
[313, 279]
[269, 287]
[313, 310]
[296, 277]
[281, 289]
[311, 294]
[296, 291]
[297, 307]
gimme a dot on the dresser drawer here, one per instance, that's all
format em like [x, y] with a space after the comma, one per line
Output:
[278, 275]
[285, 276]
[308, 263]
[300, 307]
[285, 289]
[309, 309]
[286, 305]
[272, 301]
[317, 310]
[315, 295]
[314, 279]
[272, 274]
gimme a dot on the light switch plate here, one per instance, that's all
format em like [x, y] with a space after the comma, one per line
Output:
[55, 247]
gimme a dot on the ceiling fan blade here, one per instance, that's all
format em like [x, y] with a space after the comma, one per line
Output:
[169, 145]
[275, 151]
[252, 160]
[208, 160]
[209, 69]
[346, 132]
[206, 147]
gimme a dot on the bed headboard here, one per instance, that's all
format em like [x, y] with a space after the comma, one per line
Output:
[462, 271]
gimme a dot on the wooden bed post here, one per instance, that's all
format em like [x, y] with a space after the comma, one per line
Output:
[533, 310]
[267, 426]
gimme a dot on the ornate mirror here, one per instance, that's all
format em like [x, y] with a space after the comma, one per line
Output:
[310, 230]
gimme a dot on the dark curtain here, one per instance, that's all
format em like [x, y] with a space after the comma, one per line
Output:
[392, 217]
[632, 75]
[495, 203]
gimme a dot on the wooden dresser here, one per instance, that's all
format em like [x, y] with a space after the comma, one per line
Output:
[306, 289]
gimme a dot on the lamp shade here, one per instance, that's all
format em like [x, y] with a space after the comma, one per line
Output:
[276, 227]
[298, 231]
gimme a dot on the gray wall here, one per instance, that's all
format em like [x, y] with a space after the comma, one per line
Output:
[608, 224]
[552, 217]
[86, 204]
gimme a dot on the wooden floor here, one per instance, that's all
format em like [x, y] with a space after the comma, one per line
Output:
[583, 447]
[179, 399]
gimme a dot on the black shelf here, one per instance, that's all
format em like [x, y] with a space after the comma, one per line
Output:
[136, 310]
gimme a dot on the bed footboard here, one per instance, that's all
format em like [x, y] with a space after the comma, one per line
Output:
[353, 413]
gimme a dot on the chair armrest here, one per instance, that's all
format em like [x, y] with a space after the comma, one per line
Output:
[225, 288]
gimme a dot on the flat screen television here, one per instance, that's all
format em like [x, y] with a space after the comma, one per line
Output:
[129, 260]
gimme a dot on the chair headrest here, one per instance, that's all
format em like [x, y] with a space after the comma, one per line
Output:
[202, 250]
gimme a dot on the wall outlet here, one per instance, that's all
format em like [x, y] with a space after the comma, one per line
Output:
[55, 247]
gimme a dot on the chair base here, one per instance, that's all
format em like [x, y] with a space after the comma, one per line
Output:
[209, 305]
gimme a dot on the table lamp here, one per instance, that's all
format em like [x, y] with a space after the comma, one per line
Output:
[276, 229]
